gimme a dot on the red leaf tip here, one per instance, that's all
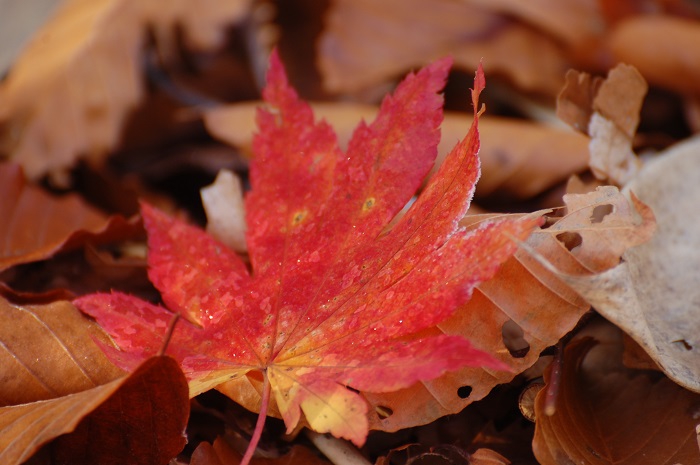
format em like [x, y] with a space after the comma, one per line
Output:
[479, 85]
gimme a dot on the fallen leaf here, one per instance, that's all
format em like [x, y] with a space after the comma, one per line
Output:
[334, 298]
[417, 454]
[518, 158]
[661, 48]
[366, 42]
[55, 223]
[614, 415]
[651, 294]
[608, 110]
[48, 351]
[137, 419]
[221, 453]
[70, 91]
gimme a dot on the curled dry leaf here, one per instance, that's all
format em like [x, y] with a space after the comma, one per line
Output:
[606, 414]
[49, 351]
[653, 295]
[137, 419]
[662, 48]
[519, 158]
[55, 223]
[70, 91]
[366, 43]
[607, 110]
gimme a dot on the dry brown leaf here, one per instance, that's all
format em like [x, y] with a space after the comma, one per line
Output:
[519, 158]
[365, 43]
[136, 419]
[653, 295]
[607, 110]
[48, 351]
[70, 91]
[606, 414]
[55, 223]
[663, 48]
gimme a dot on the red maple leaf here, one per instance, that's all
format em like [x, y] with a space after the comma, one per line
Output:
[338, 294]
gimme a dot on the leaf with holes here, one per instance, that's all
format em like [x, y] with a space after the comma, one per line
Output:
[338, 294]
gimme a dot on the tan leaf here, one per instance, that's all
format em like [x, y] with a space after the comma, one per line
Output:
[517, 157]
[662, 48]
[69, 92]
[139, 418]
[48, 351]
[653, 295]
[614, 415]
[55, 223]
[365, 43]
[223, 204]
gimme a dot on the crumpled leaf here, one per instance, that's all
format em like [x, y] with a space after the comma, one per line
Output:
[366, 42]
[69, 93]
[223, 204]
[55, 223]
[652, 295]
[607, 110]
[47, 351]
[518, 158]
[221, 453]
[139, 419]
[334, 298]
[612, 415]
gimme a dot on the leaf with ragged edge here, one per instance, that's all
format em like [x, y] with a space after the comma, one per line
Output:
[335, 294]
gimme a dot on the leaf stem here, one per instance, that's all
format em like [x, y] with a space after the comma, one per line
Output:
[257, 433]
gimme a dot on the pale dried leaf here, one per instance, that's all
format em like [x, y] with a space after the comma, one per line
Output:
[653, 295]
[223, 204]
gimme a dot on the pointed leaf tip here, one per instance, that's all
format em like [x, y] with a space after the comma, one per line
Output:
[479, 85]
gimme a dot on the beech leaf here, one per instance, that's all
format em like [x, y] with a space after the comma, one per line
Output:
[337, 299]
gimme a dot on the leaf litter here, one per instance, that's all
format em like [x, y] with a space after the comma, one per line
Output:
[521, 317]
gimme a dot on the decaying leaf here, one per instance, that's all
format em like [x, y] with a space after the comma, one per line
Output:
[138, 419]
[55, 223]
[336, 302]
[518, 158]
[82, 70]
[606, 414]
[653, 294]
[607, 110]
